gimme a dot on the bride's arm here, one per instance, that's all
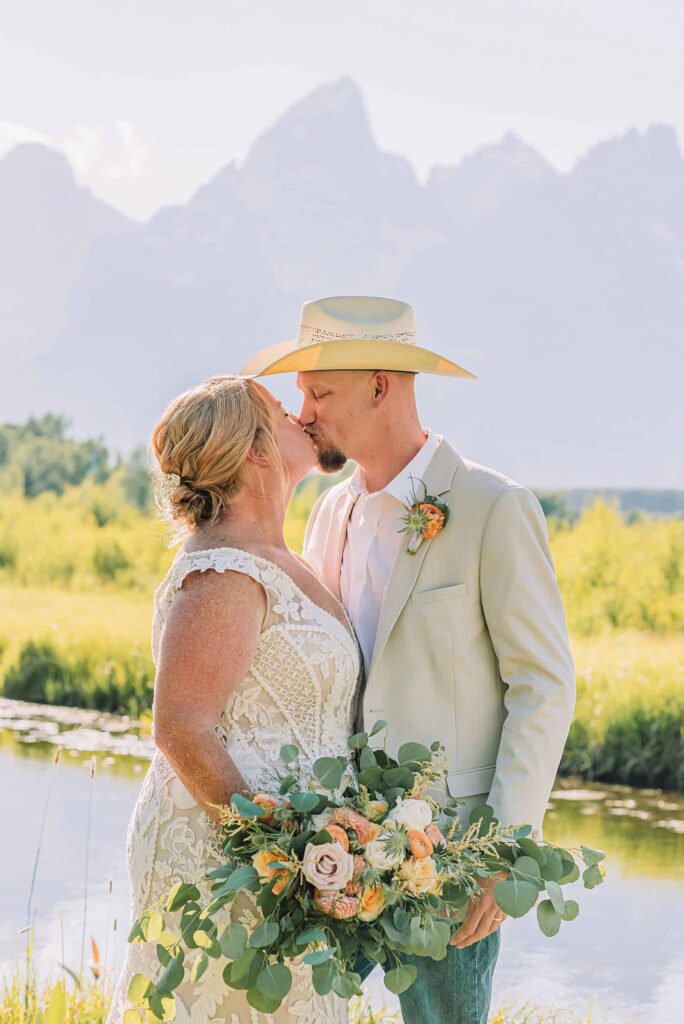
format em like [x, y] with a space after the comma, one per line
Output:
[208, 645]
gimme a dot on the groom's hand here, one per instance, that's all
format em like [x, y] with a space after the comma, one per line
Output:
[482, 917]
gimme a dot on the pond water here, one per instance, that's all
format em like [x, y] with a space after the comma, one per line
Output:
[622, 959]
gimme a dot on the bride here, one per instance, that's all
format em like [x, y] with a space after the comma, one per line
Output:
[252, 652]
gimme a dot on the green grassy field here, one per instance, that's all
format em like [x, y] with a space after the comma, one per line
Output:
[77, 573]
[57, 1003]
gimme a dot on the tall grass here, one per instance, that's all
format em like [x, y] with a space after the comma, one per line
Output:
[77, 574]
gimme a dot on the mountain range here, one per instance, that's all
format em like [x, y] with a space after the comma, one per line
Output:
[562, 292]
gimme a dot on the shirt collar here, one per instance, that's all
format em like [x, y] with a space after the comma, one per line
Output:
[402, 485]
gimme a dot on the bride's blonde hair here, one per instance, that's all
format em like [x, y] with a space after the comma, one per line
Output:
[204, 438]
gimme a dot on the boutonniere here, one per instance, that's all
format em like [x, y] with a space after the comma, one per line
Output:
[423, 518]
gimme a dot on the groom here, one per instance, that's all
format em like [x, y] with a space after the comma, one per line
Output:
[464, 641]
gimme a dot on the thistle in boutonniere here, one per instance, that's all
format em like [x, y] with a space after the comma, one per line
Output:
[423, 518]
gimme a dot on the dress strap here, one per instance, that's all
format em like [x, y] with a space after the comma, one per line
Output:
[219, 560]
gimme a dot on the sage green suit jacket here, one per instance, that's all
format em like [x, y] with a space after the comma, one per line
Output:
[472, 645]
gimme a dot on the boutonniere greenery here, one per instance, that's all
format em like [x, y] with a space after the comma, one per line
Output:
[423, 518]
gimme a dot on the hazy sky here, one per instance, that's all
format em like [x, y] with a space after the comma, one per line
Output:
[150, 99]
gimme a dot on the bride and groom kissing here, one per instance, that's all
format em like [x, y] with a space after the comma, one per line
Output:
[456, 633]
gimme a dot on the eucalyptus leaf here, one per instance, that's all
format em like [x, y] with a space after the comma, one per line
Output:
[592, 857]
[526, 868]
[401, 978]
[367, 759]
[289, 753]
[592, 876]
[244, 877]
[346, 985]
[246, 808]
[379, 725]
[198, 968]
[139, 988]
[233, 940]
[274, 981]
[287, 783]
[322, 977]
[311, 935]
[548, 917]
[571, 910]
[552, 869]
[358, 740]
[556, 896]
[529, 848]
[304, 802]
[515, 896]
[318, 956]
[172, 975]
[413, 752]
[400, 777]
[328, 771]
[264, 935]
[181, 894]
[259, 1001]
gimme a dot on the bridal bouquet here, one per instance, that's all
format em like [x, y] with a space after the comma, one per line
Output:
[353, 862]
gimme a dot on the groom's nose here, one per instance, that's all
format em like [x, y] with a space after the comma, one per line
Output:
[307, 415]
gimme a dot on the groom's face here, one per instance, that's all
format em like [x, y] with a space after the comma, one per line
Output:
[334, 413]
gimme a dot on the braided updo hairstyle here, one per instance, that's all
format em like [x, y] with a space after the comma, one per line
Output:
[204, 437]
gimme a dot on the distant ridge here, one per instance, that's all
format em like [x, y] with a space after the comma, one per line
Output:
[563, 292]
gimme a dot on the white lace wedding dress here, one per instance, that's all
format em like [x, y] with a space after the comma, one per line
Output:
[301, 689]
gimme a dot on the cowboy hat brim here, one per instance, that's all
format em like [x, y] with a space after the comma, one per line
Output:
[350, 354]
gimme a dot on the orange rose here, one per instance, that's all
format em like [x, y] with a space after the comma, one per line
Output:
[339, 907]
[338, 835]
[419, 844]
[365, 830]
[371, 903]
[269, 803]
[262, 862]
[435, 519]
[436, 837]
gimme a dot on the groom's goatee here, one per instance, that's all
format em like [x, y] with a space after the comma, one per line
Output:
[330, 458]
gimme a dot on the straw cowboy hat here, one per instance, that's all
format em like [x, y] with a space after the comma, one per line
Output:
[353, 332]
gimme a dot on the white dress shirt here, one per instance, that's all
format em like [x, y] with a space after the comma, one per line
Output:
[373, 541]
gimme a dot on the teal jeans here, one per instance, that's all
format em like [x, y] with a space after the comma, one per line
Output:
[456, 990]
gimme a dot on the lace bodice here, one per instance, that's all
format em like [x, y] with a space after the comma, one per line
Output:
[301, 685]
[301, 688]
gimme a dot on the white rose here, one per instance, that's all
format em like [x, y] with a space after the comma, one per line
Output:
[328, 867]
[378, 854]
[412, 813]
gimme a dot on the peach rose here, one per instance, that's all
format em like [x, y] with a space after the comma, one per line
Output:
[338, 835]
[420, 877]
[365, 830]
[435, 835]
[268, 803]
[419, 844]
[340, 907]
[371, 903]
[263, 860]
[328, 867]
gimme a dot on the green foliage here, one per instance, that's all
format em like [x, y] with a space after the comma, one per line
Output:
[122, 684]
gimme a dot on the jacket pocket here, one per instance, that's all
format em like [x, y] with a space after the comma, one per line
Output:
[438, 594]
[471, 781]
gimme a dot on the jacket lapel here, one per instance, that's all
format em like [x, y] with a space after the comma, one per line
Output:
[438, 479]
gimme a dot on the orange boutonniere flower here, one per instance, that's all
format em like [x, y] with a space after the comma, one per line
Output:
[423, 518]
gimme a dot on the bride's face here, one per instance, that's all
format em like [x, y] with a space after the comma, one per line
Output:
[296, 447]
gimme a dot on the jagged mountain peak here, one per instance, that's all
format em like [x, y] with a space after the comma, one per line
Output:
[34, 164]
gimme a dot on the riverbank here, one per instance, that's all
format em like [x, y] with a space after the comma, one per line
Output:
[92, 651]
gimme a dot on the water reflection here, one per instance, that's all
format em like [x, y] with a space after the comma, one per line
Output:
[624, 954]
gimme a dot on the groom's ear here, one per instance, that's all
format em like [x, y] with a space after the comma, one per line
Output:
[380, 385]
[254, 456]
